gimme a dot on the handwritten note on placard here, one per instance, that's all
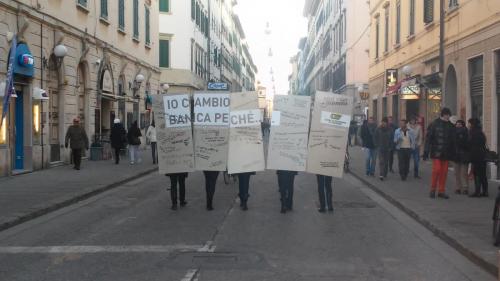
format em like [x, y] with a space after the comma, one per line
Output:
[177, 110]
[328, 134]
[175, 143]
[211, 131]
[289, 133]
[246, 150]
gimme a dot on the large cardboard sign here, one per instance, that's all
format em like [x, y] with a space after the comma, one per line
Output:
[328, 135]
[211, 131]
[174, 133]
[289, 133]
[246, 150]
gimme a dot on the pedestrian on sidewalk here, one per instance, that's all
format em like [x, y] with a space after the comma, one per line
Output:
[353, 129]
[392, 127]
[78, 141]
[325, 193]
[440, 146]
[404, 139]
[367, 137]
[151, 136]
[477, 144]
[210, 183]
[134, 141]
[180, 180]
[415, 153]
[461, 163]
[244, 186]
[285, 183]
[383, 142]
[118, 138]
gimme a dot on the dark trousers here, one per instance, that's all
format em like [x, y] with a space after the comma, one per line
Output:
[325, 191]
[244, 186]
[383, 162]
[480, 179]
[117, 155]
[77, 157]
[154, 152]
[174, 180]
[285, 183]
[391, 159]
[210, 183]
[404, 155]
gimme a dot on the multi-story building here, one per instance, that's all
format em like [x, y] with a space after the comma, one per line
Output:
[94, 59]
[201, 41]
[334, 54]
[404, 77]
[293, 78]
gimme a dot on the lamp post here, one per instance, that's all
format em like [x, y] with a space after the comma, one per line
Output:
[139, 78]
[165, 87]
[407, 70]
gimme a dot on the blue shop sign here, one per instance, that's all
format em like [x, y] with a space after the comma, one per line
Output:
[24, 64]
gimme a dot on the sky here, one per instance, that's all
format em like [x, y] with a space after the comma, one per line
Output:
[287, 25]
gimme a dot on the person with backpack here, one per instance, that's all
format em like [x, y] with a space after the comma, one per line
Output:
[134, 141]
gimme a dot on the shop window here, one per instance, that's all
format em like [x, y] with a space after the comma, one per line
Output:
[3, 129]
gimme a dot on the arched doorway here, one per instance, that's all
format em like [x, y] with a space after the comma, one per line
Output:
[450, 91]
[106, 102]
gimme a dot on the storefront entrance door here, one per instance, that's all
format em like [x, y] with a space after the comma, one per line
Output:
[19, 132]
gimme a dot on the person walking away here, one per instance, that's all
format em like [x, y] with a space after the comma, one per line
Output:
[477, 144]
[461, 163]
[285, 183]
[415, 152]
[134, 141]
[353, 128]
[210, 183]
[392, 128]
[404, 139]
[78, 140]
[118, 138]
[178, 179]
[383, 142]
[244, 186]
[151, 136]
[367, 133]
[439, 145]
[325, 193]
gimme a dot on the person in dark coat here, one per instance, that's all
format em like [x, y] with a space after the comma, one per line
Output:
[134, 141]
[285, 183]
[440, 146]
[477, 144]
[78, 140]
[383, 142]
[325, 193]
[244, 186]
[353, 129]
[367, 133]
[392, 127]
[178, 179]
[118, 138]
[210, 183]
[461, 162]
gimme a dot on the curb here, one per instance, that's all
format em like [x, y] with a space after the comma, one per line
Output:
[470, 255]
[65, 203]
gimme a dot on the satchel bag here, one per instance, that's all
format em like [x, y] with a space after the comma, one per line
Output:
[491, 156]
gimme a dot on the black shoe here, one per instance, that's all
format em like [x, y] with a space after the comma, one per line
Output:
[475, 194]
[183, 203]
[433, 194]
[484, 194]
[381, 178]
[330, 209]
[210, 208]
[443, 196]
[283, 210]
[244, 206]
[321, 210]
[174, 207]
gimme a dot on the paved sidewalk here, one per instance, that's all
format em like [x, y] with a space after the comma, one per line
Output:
[28, 196]
[464, 223]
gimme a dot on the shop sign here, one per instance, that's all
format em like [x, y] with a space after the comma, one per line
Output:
[410, 89]
[24, 62]
[391, 78]
[217, 86]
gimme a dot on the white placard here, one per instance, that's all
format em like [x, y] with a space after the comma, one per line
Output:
[245, 118]
[275, 118]
[335, 119]
[211, 109]
[177, 111]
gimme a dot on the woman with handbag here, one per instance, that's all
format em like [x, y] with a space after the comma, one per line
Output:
[477, 144]
[134, 141]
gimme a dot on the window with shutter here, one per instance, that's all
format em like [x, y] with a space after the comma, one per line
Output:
[146, 21]
[121, 14]
[164, 6]
[476, 87]
[377, 35]
[412, 18]
[198, 14]
[164, 53]
[104, 9]
[82, 3]
[428, 11]
[136, 19]
[398, 22]
[386, 30]
[193, 9]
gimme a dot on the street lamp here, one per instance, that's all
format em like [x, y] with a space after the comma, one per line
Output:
[165, 87]
[407, 70]
[137, 84]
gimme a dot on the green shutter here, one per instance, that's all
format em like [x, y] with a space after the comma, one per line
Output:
[428, 11]
[148, 35]
[164, 6]
[104, 9]
[164, 53]
[136, 19]
[193, 9]
[121, 14]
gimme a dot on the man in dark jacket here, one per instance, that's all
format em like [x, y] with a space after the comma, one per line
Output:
[440, 145]
[78, 141]
[367, 133]
[118, 138]
[383, 142]
[392, 127]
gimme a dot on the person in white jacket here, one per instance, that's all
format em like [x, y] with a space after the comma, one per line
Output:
[151, 136]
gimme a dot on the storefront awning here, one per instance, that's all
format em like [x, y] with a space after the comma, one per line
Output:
[433, 84]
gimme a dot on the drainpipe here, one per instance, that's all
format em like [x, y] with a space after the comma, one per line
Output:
[41, 87]
[441, 47]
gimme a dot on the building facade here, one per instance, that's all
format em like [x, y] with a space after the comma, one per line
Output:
[334, 55]
[92, 59]
[202, 41]
[405, 76]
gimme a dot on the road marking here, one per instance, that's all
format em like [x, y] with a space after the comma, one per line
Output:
[191, 275]
[209, 247]
[100, 249]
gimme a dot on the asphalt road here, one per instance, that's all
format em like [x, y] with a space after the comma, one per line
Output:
[130, 233]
